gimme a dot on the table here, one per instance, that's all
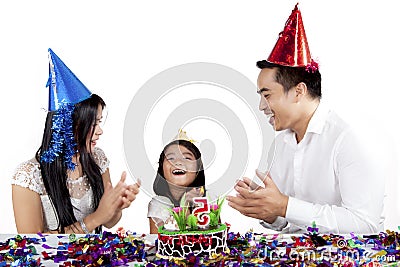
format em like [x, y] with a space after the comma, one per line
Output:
[248, 249]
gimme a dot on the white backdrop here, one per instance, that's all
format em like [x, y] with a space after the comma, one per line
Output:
[114, 47]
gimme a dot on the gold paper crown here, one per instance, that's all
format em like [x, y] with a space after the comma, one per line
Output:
[183, 136]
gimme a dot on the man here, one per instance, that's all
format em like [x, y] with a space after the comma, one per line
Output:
[320, 172]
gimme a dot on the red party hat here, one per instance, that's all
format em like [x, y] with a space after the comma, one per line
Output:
[291, 49]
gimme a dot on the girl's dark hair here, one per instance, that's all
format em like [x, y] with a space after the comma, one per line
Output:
[54, 174]
[292, 76]
[160, 185]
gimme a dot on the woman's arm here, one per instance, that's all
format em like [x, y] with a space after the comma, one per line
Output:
[28, 212]
[126, 194]
[109, 211]
[115, 219]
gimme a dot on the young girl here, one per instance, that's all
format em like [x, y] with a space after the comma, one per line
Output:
[66, 187]
[180, 172]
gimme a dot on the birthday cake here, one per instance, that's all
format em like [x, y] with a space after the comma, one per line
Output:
[199, 234]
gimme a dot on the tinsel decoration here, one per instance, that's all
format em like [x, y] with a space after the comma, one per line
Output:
[62, 138]
[312, 67]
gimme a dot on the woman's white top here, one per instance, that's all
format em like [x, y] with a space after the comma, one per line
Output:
[28, 175]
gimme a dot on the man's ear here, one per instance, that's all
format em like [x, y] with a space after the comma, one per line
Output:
[301, 91]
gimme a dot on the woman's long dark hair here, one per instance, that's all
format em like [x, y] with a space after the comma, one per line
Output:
[160, 185]
[54, 174]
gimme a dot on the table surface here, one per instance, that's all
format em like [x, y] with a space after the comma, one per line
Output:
[289, 248]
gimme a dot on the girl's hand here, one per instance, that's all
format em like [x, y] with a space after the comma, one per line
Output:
[193, 193]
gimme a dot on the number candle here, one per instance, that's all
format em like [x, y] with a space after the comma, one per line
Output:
[202, 212]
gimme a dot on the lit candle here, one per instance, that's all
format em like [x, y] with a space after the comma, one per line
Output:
[202, 211]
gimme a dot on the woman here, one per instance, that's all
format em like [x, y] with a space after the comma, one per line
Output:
[67, 188]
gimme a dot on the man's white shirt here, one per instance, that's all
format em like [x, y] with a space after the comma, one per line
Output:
[330, 178]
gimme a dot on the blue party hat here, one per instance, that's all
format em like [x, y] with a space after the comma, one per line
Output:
[65, 90]
[64, 86]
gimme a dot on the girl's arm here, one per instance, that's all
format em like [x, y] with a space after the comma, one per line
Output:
[153, 227]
